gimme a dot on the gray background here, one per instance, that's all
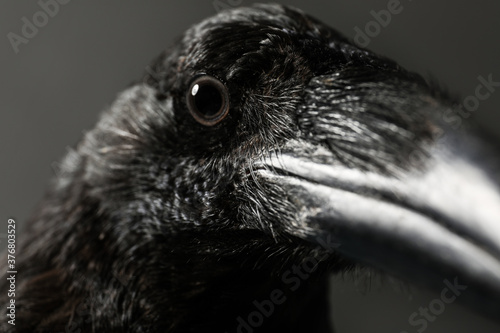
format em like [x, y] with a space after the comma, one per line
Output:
[56, 85]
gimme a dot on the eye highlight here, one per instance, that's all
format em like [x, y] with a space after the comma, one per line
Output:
[208, 100]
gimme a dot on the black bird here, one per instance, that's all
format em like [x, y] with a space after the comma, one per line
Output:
[259, 154]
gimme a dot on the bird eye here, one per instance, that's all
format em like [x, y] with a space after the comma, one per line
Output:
[208, 100]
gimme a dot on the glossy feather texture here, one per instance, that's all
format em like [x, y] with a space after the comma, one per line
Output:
[162, 224]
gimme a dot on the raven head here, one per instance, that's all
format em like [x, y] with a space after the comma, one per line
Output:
[259, 153]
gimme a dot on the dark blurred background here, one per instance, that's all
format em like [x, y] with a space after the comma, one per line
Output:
[84, 53]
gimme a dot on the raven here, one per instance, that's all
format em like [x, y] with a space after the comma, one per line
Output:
[256, 156]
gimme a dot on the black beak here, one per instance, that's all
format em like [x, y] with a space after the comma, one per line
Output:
[435, 223]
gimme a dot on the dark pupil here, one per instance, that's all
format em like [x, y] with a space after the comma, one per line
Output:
[208, 100]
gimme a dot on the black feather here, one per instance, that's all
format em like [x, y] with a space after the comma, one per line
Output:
[159, 224]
